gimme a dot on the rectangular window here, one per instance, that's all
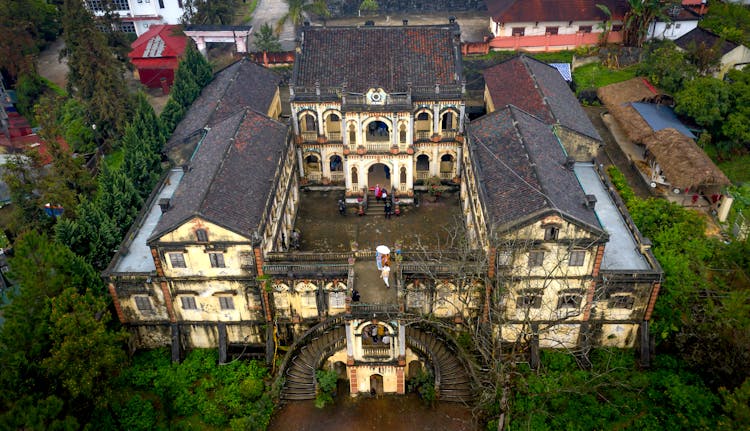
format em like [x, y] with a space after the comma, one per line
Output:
[551, 233]
[177, 260]
[621, 301]
[143, 304]
[127, 27]
[217, 260]
[585, 28]
[504, 257]
[518, 31]
[188, 303]
[569, 301]
[226, 302]
[201, 235]
[677, 25]
[551, 30]
[308, 299]
[337, 299]
[576, 258]
[536, 258]
[529, 301]
[100, 5]
[161, 4]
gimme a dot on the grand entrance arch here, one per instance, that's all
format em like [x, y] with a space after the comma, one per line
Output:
[379, 173]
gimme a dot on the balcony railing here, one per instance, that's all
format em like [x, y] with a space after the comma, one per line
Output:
[314, 175]
[376, 352]
[337, 176]
[361, 309]
[448, 134]
[378, 147]
[421, 175]
[309, 136]
[306, 268]
[422, 135]
[447, 175]
[334, 136]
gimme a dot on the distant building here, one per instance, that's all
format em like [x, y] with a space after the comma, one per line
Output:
[156, 55]
[553, 25]
[210, 262]
[138, 16]
[732, 55]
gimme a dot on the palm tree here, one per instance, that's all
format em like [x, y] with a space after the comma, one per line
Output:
[299, 8]
[640, 16]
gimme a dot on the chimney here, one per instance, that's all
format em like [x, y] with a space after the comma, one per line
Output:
[406, 22]
[590, 201]
[164, 204]
[569, 163]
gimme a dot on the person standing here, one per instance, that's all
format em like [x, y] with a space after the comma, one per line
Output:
[384, 195]
[387, 208]
[355, 295]
[378, 192]
[386, 273]
[379, 260]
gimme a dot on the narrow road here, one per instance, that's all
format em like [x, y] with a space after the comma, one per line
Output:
[271, 11]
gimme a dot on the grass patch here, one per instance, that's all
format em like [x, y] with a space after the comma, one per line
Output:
[595, 75]
[554, 57]
[244, 12]
[737, 169]
[52, 86]
[547, 57]
[114, 160]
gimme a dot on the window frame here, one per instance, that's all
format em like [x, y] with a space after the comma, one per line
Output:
[518, 31]
[621, 302]
[529, 300]
[226, 302]
[216, 259]
[536, 258]
[143, 304]
[577, 258]
[177, 259]
[569, 300]
[551, 232]
[585, 28]
[188, 303]
[552, 30]
[201, 235]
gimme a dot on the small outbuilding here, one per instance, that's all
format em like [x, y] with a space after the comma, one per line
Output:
[732, 55]
[156, 55]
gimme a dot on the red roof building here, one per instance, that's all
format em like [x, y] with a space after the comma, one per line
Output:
[156, 54]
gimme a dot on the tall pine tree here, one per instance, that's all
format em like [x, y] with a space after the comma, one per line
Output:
[95, 75]
[193, 73]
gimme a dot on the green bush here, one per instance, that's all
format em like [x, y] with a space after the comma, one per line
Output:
[327, 381]
[424, 385]
[621, 184]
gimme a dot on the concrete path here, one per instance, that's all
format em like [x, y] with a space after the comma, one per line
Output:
[50, 66]
[271, 11]
[371, 287]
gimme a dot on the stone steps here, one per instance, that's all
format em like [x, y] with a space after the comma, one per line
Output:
[300, 376]
[455, 385]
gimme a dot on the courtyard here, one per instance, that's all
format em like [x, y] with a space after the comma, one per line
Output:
[425, 225]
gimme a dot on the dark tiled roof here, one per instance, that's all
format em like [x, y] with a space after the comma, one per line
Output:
[387, 57]
[521, 169]
[508, 11]
[699, 36]
[229, 179]
[539, 89]
[243, 84]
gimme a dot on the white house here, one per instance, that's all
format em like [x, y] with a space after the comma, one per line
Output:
[681, 20]
[138, 15]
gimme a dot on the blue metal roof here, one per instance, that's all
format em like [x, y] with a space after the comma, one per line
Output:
[661, 117]
[564, 69]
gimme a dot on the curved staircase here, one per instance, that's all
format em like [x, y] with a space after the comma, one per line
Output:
[452, 382]
[299, 381]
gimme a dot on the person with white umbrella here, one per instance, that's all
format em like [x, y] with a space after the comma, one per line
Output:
[379, 252]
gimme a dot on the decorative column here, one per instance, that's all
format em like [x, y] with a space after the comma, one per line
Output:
[349, 340]
[462, 114]
[359, 133]
[240, 41]
[201, 43]
[295, 122]
[410, 174]
[301, 163]
[394, 129]
[435, 165]
[347, 174]
[436, 119]
[319, 115]
[459, 156]
[410, 130]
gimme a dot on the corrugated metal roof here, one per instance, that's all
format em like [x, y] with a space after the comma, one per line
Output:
[661, 117]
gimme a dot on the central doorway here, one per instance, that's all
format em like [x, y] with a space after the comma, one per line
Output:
[379, 173]
[376, 384]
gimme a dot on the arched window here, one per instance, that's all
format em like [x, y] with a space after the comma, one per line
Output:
[402, 176]
[402, 134]
[423, 163]
[423, 116]
[334, 117]
[312, 163]
[448, 121]
[336, 163]
[352, 135]
[354, 176]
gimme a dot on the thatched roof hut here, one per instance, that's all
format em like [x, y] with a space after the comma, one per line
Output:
[684, 164]
[617, 98]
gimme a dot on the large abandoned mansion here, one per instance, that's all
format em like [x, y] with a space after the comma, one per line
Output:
[547, 255]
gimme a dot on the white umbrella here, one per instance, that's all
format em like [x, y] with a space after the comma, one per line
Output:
[383, 249]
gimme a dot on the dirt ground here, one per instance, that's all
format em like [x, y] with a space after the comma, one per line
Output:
[392, 413]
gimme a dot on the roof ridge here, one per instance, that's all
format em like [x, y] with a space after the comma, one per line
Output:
[538, 87]
[542, 190]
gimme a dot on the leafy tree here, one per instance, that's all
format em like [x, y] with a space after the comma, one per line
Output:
[171, 115]
[200, 69]
[209, 11]
[95, 75]
[706, 100]
[140, 164]
[298, 9]
[266, 40]
[79, 336]
[705, 58]
[23, 178]
[94, 235]
[118, 197]
[639, 17]
[27, 25]
[29, 89]
[730, 20]
[193, 73]
[369, 5]
[666, 67]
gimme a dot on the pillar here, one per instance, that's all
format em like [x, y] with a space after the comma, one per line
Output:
[462, 114]
[410, 130]
[295, 122]
[394, 131]
[349, 340]
[319, 115]
[435, 165]
[410, 173]
[347, 174]
[201, 43]
[240, 42]
[436, 119]
[301, 163]
[459, 157]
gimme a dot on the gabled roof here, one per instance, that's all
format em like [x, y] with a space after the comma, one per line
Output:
[700, 36]
[159, 41]
[521, 167]
[242, 84]
[388, 57]
[539, 89]
[508, 11]
[230, 176]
